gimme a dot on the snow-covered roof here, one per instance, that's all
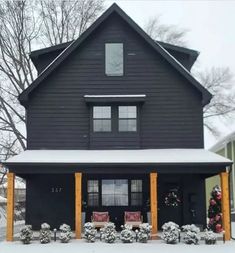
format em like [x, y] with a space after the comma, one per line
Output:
[140, 156]
[223, 142]
[116, 96]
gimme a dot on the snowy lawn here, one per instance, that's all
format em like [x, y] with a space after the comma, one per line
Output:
[76, 246]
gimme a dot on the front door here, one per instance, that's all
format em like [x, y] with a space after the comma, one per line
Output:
[169, 200]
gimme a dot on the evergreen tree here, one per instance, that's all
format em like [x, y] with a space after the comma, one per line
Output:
[214, 211]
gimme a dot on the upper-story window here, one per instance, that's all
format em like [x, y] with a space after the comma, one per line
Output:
[102, 118]
[114, 59]
[127, 116]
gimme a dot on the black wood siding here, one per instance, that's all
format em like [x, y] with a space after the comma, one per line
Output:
[171, 117]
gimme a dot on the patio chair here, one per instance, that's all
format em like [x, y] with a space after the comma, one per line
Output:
[99, 219]
[133, 218]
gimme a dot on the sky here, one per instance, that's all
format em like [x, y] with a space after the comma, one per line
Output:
[211, 26]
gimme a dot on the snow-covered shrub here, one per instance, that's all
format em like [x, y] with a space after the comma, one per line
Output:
[144, 233]
[65, 233]
[45, 233]
[108, 232]
[26, 234]
[127, 235]
[90, 232]
[210, 237]
[171, 232]
[191, 235]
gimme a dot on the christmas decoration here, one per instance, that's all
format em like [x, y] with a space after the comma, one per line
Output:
[171, 232]
[191, 235]
[127, 235]
[90, 232]
[45, 233]
[108, 232]
[172, 199]
[65, 233]
[214, 211]
[210, 237]
[144, 232]
[26, 234]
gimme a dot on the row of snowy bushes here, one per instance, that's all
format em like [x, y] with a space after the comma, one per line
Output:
[109, 234]
[26, 233]
[171, 234]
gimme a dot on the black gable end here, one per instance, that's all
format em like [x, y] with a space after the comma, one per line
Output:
[156, 46]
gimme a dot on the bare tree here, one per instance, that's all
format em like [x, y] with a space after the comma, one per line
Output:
[166, 33]
[65, 20]
[22, 23]
[219, 81]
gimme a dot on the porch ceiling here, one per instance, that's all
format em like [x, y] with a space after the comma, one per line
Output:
[120, 157]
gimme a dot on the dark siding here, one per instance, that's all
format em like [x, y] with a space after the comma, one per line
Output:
[58, 117]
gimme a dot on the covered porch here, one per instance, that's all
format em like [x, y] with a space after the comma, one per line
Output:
[65, 174]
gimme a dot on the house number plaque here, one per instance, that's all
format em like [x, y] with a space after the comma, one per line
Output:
[56, 189]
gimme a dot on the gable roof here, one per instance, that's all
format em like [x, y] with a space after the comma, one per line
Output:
[223, 142]
[23, 97]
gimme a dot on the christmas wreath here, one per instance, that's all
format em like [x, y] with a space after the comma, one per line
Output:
[172, 199]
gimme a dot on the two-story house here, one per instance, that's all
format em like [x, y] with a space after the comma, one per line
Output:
[115, 123]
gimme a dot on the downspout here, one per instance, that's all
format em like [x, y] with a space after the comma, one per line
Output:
[229, 175]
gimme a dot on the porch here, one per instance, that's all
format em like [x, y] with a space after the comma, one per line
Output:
[159, 170]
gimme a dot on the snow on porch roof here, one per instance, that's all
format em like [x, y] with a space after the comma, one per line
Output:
[140, 156]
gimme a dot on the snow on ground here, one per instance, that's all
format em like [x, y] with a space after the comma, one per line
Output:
[76, 246]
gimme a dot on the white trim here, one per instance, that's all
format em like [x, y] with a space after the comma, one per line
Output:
[233, 176]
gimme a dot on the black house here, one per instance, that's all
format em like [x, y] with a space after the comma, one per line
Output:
[115, 123]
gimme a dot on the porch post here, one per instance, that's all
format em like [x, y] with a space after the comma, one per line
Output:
[224, 179]
[153, 203]
[78, 205]
[10, 206]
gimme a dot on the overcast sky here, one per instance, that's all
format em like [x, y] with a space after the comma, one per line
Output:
[211, 26]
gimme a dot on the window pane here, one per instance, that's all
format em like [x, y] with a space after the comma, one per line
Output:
[102, 125]
[115, 192]
[102, 112]
[114, 59]
[127, 112]
[92, 186]
[136, 199]
[93, 199]
[136, 185]
[127, 125]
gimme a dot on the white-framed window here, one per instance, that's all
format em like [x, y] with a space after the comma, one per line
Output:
[114, 59]
[127, 118]
[102, 119]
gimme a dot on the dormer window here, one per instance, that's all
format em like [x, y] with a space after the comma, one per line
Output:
[114, 59]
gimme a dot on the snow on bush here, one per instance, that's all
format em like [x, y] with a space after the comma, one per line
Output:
[127, 234]
[65, 233]
[144, 232]
[210, 237]
[108, 232]
[191, 235]
[170, 232]
[45, 233]
[26, 234]
[90, 232]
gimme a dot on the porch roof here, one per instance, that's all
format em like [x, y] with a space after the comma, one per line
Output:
[119, 157]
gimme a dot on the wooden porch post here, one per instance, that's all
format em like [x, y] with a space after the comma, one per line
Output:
[10, 206]
[224, 178]
[78, 205]
[153, 203]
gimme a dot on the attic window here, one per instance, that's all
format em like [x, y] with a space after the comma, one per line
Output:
[114, 59]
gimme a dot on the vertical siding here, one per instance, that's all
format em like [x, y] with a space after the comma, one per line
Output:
[58, 117]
